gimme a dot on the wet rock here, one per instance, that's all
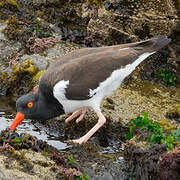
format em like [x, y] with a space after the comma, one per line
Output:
[170, 165]
[120, 21]
[106, 176]
[13, 79]
[144, 159]
[77, 37]
[29, 163]
[128, 21]
[3, 24]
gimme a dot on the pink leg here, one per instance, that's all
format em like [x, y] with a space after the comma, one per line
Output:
[81, 112]
[99, 124]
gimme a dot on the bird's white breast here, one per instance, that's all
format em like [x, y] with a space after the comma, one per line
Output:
[96, 95]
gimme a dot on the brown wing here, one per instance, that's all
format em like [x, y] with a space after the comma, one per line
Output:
[88, 71]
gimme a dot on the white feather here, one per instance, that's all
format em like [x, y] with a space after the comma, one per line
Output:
[60, 90]
[105, 88]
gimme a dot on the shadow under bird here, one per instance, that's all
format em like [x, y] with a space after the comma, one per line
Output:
[80, 80]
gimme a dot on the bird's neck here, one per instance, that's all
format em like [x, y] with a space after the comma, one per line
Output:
[50, 105]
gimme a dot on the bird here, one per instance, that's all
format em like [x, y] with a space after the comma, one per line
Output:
[80, 80]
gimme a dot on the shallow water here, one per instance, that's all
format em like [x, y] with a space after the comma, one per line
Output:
[35, 130]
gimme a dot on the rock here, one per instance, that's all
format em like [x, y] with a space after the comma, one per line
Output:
[177, 5]
[26, 157]
[144, 159]
[170, 165]
[106, 176]
[8, 49]
[142, 20]
[40, 62]
[12, 169]
[3, 24]
[174, 113]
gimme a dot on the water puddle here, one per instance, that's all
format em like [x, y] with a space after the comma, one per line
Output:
[34, 130]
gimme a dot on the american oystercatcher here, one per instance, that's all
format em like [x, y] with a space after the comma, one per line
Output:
[79, 81]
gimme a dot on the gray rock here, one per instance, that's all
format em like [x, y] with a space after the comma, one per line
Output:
[7, 48]
[41, 62]
[105, 176]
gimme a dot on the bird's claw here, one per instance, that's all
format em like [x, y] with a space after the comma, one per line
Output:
[81, 112]
[76, 141]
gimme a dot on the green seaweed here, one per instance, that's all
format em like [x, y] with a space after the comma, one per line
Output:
[72, 160]
[167, 76]
[75, 164]
[17, 140]
[83, 177]
[157, 133]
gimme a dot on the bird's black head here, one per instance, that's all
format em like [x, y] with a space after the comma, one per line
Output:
[36, 106]
[27, 105]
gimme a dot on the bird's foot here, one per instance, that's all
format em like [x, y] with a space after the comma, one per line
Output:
[81, 112]
[85, 138]
[78, 141]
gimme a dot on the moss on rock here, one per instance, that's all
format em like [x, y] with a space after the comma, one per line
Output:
[14, 80]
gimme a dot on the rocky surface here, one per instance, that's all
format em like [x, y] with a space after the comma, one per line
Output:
[7, 48]
[10, 169]
[170, 165]
[24, 156]
[145, 159]
[39, 32]
[121, 21]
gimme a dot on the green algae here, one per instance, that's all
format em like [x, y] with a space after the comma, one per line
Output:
[28, 66]
[167, 76]
[156, 132]
[13, 28]
[9, 2]
[20, 74]
[37, 76]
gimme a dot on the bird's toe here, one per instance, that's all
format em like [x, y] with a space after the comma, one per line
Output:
[77, 141]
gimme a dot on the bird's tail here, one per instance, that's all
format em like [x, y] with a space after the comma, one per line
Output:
[154, 44]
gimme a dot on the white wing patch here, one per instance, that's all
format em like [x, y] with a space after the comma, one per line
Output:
[59, 90]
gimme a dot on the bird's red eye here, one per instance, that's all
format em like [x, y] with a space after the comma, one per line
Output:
[30, 104]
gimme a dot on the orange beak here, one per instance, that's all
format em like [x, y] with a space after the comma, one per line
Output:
[18, 119]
